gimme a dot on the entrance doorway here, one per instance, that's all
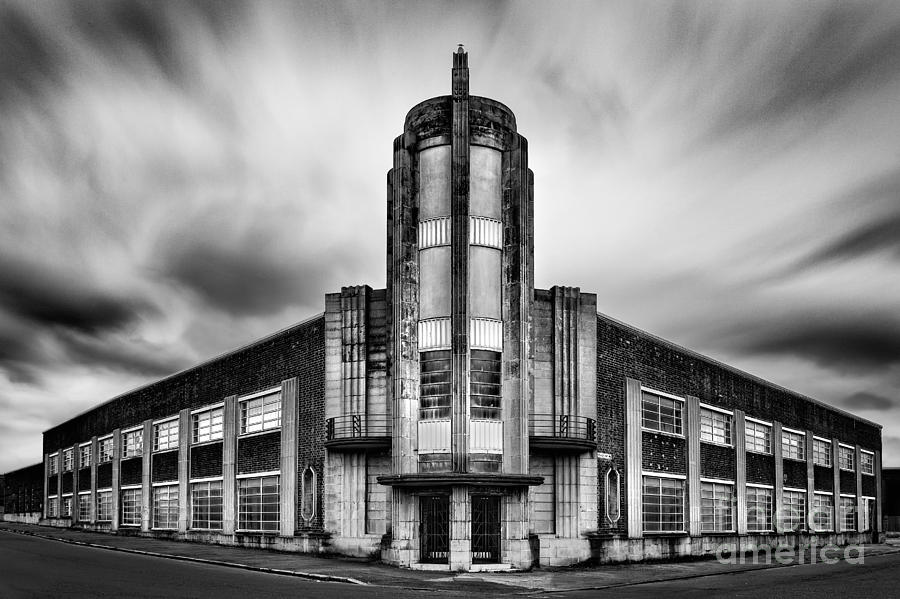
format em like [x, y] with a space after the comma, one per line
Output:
[485, 529]
[434, 529]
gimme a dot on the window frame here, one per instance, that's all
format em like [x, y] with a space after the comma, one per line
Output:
[102, 456]
[711, 506]
[209, 505]
[215, 431]
[132, 516]
[826, 515]
[801, 445]
[82, 462]
[163, 437]
[65, 506]
[164, 506]
[68, 459]
[867, 462]
[104, 505]
[53, 506]
[677, 416]
[769, 509]
[85, 495]
[53, 464]
[265, 424]
[682, 505]
[132, 449]
[829, 462]
[852, 514]
[801, 520]
[274, 525]
[850, 452]
[710, 416]
[756, 426]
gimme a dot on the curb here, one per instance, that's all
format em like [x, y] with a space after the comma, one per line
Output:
[199, 560]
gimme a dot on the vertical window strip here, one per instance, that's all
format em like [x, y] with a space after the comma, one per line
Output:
[104, 506]
[823, 512]
[84, 507]
[261, 413]
[105, 449]
[846, 458]
[132, 443]
[84, 456]
[867, 463]
[821, 453]
[165, 507]
[206, 505]
[792, 445]
[53, 464]
[758, 437]
[716, 507]
[759, 509]
[794, 510]
[68, 460]
[848, 514]
[434, 232]
[715, 427]
[131, 507]
[165, 435]
[207, 425]
[660, 413]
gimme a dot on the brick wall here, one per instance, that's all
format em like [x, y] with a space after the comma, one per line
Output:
[795, 474]
[206, 460]
[760, 468]
[68, 480]
[22, 491]
[259, 453]
[664, 453]
[824, 478]
[623, 351]
[131, 471]
[84, 479]
[164, 466]
[868, 485]
[717, 461]
[848, 482]
[104, 476]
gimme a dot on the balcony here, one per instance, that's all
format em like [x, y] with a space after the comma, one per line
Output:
[353, 432]
[562, 432]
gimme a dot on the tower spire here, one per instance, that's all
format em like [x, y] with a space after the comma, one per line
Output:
[460, 73]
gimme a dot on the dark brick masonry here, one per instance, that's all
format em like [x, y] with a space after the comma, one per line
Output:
[104, 475]
[68, 481]
[22, 490]
[795, 474]
[824, 478]
[164, 466]
[206, 460]
[259, 453]
[848, 481]
[131, 471]
[717, 461]
[664, 453]
[84, 479]
[760, 468]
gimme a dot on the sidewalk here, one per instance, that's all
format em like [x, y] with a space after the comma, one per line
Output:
[356, 571]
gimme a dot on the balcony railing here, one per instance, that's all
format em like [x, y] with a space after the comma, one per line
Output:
[561, 431]
[352, 431]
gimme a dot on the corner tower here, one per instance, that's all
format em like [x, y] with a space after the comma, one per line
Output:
[460, 296]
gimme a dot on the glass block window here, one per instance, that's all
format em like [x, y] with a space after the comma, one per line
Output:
[848, 513]
[867, 462]
[206, 505]
[792, 445]
[758, 436]
[660, 413]
[821, 453]
[84, 507]
[84, 457]
[53, 464]
[68, 459]
[105, 450]
[715, 427]
[793, 514]
[259, 504]
[715, 507]
[104, 506]
[207, 425]
[165, 435]
[66, 507]
[308, 489]
[759, 509]
[484, 396]
[823, 512]
[846, 458]
[52, 507]
[132, 443]
[131, 507]
[434, 385]
[165, 506]
[261, 413]
[663, 504]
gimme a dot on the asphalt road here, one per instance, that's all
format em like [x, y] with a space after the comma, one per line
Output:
[878, 576]
[35, 567]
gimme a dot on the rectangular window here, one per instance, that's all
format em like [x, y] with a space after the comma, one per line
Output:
[105, 449]
[758, 436]
[84, 507]
[715, 427]
[823, 512]
[792, 445]
[848, 513]
[66, 507]
[434, 385]
[759, 509]
[165, 435]
[206, 505]
[660, 413]
[821, 453]
[867, 510]
[259, 503]
[485, 383]
[867, 462]
[53, 464]
[52, 507]
[132, 443]
[793, 514]
[261, 413]
[846, 458]
[165, 506]
[715, 507]
[68, 459]
[663, 504]
[207, 425]
[131, 507]
[104, 506]
[85, 457]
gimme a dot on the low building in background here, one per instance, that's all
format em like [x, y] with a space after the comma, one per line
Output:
[891, 499]
[461, 419]
[22, 494]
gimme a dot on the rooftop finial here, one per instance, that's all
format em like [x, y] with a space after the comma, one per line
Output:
[460, 50]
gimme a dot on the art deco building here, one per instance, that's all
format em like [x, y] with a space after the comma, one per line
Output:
[460, 418]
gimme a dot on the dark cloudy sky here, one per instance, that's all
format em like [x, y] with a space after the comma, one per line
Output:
[178, 179]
